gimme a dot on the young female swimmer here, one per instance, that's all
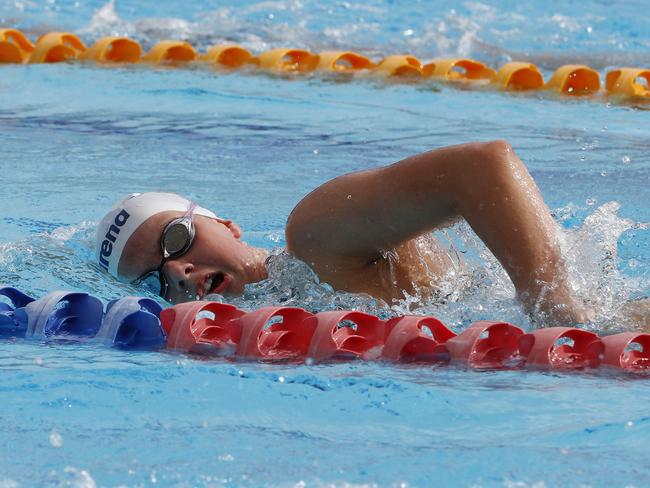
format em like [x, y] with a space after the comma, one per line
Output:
[358, 233]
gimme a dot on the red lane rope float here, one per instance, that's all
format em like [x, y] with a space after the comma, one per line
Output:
[277, 333]
[343, 334]
[288, 333]
[486, 345]
[570, 79]
[562, 348]
[415, 338]
[200, 327]
[628, 350]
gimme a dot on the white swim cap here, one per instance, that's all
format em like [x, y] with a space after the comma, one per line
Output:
[127, 216]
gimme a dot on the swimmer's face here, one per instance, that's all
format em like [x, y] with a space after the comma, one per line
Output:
[217, 261]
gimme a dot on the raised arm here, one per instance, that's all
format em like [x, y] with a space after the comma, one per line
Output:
[355, 218]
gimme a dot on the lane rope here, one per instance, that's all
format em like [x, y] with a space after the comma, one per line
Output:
[515, 76]
[294, 334]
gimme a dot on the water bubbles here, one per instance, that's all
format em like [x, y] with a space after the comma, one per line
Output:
[79, 478]
[56, 440]
[629, 425]
[315, 151]
[226, 458]
[280, 379]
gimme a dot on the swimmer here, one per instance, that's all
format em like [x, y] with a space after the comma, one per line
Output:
[358, 233]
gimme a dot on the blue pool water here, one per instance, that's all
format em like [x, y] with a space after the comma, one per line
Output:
[74, 139]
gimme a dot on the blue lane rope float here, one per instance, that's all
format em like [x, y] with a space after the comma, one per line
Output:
[61, 314]
[132, 323]
[9, 326]
[570, 79]
[281, 333]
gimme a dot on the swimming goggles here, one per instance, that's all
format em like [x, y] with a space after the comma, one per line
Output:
[176, 239]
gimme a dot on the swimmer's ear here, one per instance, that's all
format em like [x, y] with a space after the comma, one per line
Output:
[234, 229]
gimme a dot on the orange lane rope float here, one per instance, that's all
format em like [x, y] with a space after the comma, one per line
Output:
[458, 70]
[294, 334]
[343, 61]
[227, 56]
[571, 79]
[628, 81]
[171, 52]
[14, 46]
[287, 60]
[400, 65]
[113, 50]
[56, 47]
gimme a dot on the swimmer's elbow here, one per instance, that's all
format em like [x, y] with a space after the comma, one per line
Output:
[297, 234]
[492, 151]
[483, 158]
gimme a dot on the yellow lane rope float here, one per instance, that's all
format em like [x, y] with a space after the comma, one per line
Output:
[570, 79]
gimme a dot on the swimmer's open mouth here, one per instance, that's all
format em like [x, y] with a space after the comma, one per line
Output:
[215, 283]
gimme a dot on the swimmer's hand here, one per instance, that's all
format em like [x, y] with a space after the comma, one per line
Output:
[554, 305]
[638, 313]
[633, 315]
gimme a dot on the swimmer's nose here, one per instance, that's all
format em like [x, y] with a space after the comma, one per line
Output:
[179, 273]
